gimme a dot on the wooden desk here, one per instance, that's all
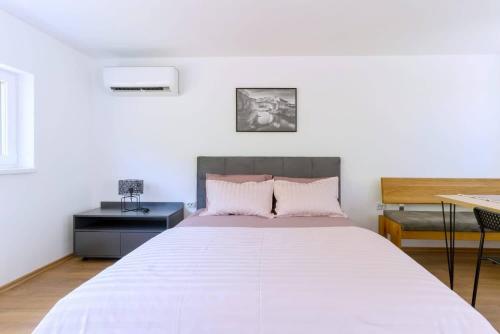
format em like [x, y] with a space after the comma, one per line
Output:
[471, 201]
[466, 201]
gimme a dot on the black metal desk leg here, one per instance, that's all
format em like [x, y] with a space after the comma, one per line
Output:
[449, 238]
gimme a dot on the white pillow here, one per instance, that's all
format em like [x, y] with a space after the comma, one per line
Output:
[248, 198]
[318, 198]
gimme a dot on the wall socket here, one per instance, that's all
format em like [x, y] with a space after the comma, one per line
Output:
[191, 205]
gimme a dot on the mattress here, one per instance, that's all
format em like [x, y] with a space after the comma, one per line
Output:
[248, 275]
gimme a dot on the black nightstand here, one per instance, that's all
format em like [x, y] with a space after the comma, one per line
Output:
[108, 232]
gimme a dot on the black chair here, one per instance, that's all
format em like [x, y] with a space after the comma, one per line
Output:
[487, 220]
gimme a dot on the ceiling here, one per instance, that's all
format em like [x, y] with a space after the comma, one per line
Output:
[154, 28]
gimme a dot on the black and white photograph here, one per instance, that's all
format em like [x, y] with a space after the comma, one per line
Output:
[266, 109]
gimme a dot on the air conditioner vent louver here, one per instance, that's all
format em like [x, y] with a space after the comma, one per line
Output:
[141, 81]
[138, 89]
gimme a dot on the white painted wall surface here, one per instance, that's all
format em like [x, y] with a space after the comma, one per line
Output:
[435, 116]
[429, 116]
[36, 209]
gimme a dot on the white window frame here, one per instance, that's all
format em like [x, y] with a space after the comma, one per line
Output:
[8, 119]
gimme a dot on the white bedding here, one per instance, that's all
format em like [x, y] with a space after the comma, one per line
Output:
[264, 280]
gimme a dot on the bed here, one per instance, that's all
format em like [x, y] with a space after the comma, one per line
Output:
[244, 274]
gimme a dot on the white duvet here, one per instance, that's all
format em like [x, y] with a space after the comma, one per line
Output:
[194, 280]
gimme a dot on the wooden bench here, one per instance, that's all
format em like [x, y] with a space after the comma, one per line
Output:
[428, 225]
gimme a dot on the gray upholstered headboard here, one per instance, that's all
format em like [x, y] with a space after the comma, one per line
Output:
[276, 166]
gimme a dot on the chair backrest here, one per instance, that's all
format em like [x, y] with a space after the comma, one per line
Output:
[487, 219]
[398, 190]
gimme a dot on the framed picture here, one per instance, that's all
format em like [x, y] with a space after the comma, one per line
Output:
[266, 109]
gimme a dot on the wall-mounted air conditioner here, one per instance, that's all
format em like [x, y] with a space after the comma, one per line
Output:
[141, 81]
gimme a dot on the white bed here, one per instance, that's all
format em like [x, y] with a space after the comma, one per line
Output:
[236, 278]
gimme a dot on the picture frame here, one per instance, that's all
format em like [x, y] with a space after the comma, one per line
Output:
[266, 109]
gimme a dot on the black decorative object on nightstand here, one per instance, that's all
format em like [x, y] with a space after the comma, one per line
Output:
[109, 232]
[131, 191]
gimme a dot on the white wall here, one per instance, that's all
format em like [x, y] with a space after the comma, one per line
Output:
[385, 116]
[434, 116]
[36, 209]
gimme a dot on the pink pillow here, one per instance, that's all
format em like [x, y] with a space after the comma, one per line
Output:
[239, 178]
[247, 198]
[298, 179]
[318, 198]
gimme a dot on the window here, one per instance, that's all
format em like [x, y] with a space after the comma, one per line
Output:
[17, 131]
[8, 119]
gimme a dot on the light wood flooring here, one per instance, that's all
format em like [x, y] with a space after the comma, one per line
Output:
[488, 296]
[22, 307]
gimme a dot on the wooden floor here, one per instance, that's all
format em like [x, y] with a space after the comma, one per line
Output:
[22, 307]
[488, 297]
[25, 305]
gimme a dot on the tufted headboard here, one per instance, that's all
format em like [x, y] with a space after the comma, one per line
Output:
[276, 166]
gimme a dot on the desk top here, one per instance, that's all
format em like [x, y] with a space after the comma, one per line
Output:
[473, 201]
[113, 210]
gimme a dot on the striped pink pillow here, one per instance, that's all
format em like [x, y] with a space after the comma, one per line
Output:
[249, 198]
[318, 198]
[237, 178]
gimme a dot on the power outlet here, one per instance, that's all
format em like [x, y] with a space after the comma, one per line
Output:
[380, 207]
[191, 205]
